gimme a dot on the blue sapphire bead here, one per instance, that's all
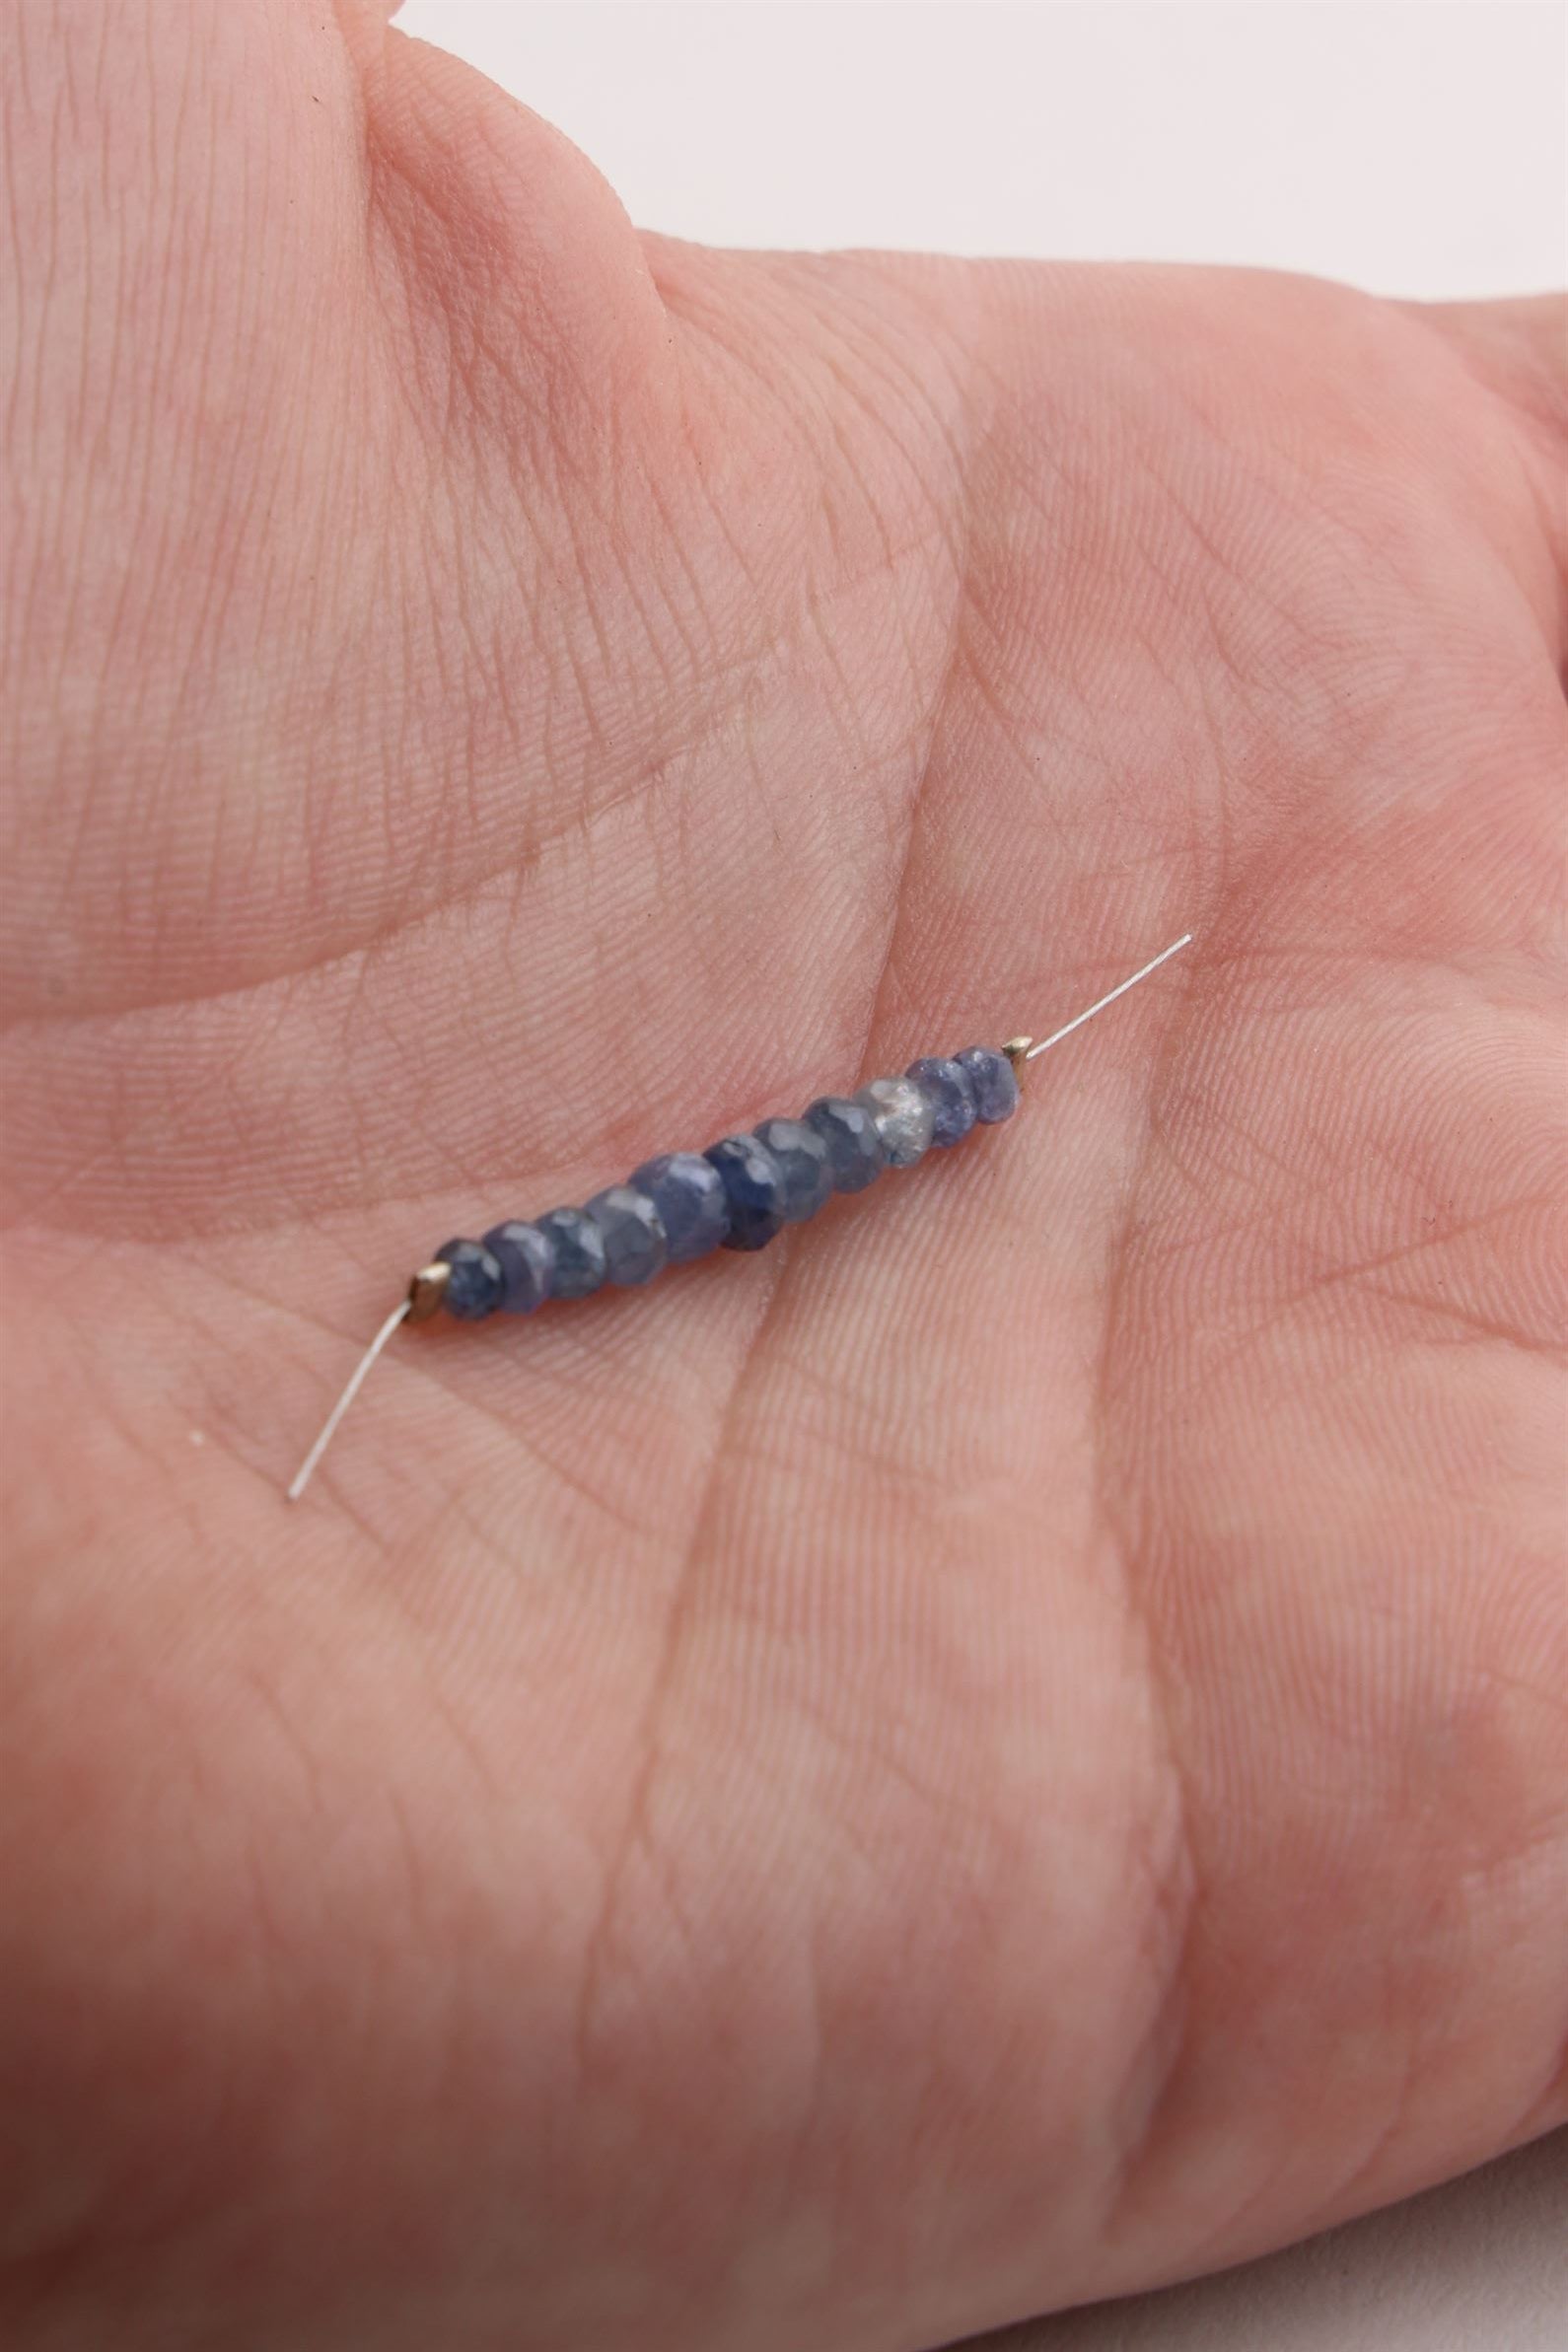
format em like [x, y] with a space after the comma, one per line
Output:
[754, 1186]
[905, 1119]
[808, 1173]
[688, 1194]
[854, 1148]
[474, 1287]
[951, 1092]
[579, 1247]
[527, 1261]
[635, 1247]
[995, 1083]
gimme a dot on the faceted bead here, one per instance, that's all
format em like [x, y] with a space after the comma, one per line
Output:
[688, 1194]
[951, 1093]
[905, 1119]
[754, 1186]
[474, 1287]
[579, 1247]
[803, 1155]
[995, 1083]
[635, 1247]
[854, 1147]
[525, 1260]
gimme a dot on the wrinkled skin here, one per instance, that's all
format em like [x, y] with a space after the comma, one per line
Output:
[1008, 1748]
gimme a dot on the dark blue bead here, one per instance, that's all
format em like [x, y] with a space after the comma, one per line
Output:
[474, 1287]
[803, 1157]
[579, 1247]
[854, 1148]
[635, 1248]
[688, 1194]
[951, 1092]
[994, 1081]
[754, 1186]
[525, 1260]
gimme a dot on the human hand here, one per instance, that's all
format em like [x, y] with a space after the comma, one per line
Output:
[1008, 1748]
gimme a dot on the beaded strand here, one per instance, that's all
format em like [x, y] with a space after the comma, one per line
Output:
[738, 1194]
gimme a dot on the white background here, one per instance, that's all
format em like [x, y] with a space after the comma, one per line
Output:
[1412, 146]
[1416, 146]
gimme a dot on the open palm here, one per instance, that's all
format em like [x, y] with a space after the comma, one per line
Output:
[1009, 1746]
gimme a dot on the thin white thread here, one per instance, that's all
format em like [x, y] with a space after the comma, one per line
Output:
[1154, 963]
[303, 1474]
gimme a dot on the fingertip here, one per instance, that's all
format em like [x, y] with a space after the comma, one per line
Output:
[363, 26]
[491, 208]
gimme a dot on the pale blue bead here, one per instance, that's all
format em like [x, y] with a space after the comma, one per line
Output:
[808, 1171]
[473, 1286]
[854, 1148]
[526, 1261]
[994, 1080]
[579, 1265]
[951, 1092]
[635, 1247]
[903, 1117]
[688, 1194]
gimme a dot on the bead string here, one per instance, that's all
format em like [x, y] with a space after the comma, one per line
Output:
[736, 1196]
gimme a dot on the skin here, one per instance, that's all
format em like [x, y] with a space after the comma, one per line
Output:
[1007, 1748]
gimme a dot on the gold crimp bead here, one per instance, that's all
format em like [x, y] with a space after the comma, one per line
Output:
[1017, 1051]
[426, 1291]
